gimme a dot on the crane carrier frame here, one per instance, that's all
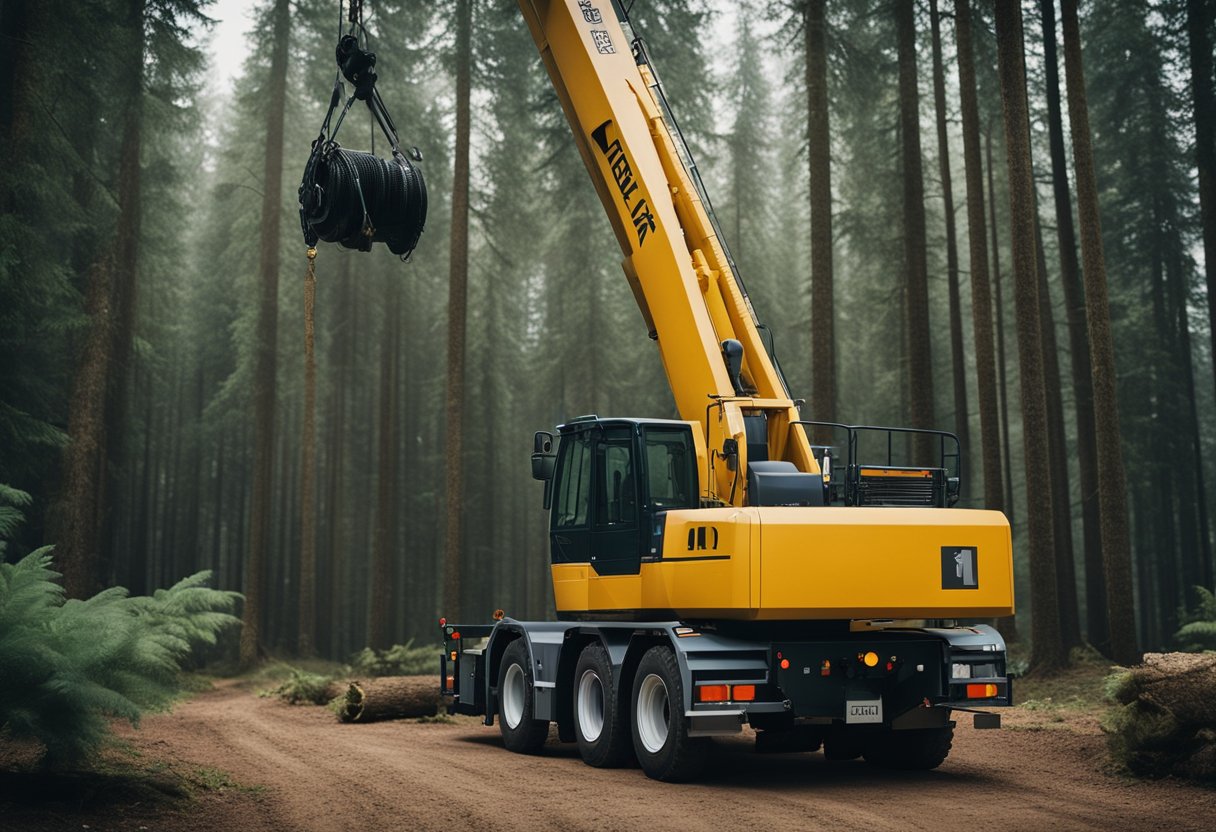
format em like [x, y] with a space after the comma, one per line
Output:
[722, 571]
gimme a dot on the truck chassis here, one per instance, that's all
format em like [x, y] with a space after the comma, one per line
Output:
[658, 690]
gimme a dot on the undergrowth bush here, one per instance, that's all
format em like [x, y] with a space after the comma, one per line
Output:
[67, 667]
[1198, 631]
[398, 660]
[302, 687]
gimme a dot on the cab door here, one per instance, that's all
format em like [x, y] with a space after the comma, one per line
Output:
[570, 520]
[616, 544]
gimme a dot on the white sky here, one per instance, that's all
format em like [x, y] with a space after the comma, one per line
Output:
[233, 21]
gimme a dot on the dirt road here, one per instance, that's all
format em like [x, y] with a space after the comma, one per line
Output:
[296, 768]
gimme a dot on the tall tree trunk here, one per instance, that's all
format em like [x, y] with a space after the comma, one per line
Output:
[999, 301]
[266, 336]
[819, 150]
[962, 421]
[457, 303]
[1046, 643]
[1199, 26]
[99, 380]
[1112, 479]
[1192, 443]
[306, 640]
[1078, 343]
[981, 298]
[920, 361]
[379, 625]
[1057, 454]
[17, 80]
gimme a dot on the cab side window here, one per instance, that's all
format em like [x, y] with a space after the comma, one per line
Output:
[671, 468]
[574, 482]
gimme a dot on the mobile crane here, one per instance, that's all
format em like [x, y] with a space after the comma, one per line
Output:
[717, 571]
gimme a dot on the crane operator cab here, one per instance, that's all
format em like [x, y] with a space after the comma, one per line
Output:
[608, 485]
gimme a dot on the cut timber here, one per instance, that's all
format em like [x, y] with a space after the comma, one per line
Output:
[390, 697]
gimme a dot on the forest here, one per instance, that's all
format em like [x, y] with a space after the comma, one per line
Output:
[997, 219]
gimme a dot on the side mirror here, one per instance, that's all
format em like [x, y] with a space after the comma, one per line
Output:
[543, 457]
[730, 451]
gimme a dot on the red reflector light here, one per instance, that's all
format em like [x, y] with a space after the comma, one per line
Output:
[455, 635]
[785, 664]
[890, 666]
[744, 693]
[713, 693]
[451, 683]
[981, 691]
[825, 669]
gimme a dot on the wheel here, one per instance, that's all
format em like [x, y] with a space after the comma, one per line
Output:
[520, 733]
[601, 722]
[917, 750]
[660, 729]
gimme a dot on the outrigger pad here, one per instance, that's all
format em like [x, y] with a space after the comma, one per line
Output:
[987, 721]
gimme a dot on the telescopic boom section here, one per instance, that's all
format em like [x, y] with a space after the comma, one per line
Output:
[676, 265]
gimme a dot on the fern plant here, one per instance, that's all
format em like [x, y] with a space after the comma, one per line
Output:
[1199, 630]
[67, 668]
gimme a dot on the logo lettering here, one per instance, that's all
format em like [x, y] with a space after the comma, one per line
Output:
[622, 173]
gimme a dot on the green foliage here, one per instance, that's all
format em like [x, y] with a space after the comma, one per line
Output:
[398, 660]
[68, 667]
[303, 687]
[1198, 631]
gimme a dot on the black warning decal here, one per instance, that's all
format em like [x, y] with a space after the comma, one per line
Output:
[960, 567]
[622, 173]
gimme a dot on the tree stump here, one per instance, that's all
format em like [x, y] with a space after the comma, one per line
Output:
[390, 697]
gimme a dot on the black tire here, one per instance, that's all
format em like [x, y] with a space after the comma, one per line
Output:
[659, 727]
[516, 700]
[917, 750]
[604, 739]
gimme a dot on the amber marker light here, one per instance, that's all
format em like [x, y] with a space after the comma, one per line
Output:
[870, 659]
[981, 691]
[713, 693]
[744, 693]
[825, 669]
[499, 615]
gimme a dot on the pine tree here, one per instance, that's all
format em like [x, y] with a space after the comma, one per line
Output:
[1046, 639]
[1112, 481]
[1078, 341]
[265, 343]
[920, 361]
[457, 297]
[981, 297]
[962, 426]
[1199, 22]
[819, 151]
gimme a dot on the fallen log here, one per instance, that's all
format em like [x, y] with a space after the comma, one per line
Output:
[390, 697]
[1167, 722]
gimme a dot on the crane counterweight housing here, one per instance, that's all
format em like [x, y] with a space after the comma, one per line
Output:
[720, 570]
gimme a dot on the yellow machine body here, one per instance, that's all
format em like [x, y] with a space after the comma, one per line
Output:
[785, 563]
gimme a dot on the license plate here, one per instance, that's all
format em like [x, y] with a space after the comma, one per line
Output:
[859, 711]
